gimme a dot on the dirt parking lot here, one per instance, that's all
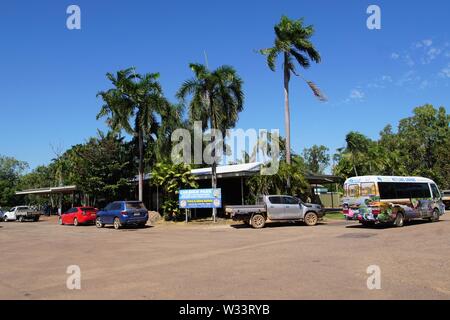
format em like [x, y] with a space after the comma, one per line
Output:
[287, 261]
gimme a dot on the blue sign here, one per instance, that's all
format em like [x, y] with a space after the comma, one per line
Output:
[200, 198]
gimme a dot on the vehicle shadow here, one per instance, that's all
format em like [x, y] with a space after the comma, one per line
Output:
[129, 228]
[383, 226]
[270, 225]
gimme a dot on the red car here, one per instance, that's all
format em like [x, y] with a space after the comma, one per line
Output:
[78, 215]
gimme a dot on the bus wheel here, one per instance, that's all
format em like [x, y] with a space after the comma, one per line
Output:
[436, 215]
[399, 220]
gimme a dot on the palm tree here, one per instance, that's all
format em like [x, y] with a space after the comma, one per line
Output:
[132, 105]
[292, 40]
[217, 98]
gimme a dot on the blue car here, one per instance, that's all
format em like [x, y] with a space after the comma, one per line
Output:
[122, 213]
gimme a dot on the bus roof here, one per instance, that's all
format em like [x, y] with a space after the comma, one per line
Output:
[386, 179]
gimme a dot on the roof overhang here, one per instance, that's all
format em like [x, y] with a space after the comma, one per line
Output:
[48, 191]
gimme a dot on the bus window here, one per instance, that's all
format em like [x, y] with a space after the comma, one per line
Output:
[436, 193]
[353, 190]
[398, 190]
[387, 190]
[368, 189]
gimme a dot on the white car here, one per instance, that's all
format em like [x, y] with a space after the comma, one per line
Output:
[21, 213]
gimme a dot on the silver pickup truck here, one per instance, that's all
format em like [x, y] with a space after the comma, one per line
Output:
[21, 213]
[276, 208]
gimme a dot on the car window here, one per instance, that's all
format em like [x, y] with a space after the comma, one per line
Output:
[275, 200]
[135, 205]
[290, 200]
[116, 206]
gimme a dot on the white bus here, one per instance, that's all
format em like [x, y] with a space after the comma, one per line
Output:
[390, 199]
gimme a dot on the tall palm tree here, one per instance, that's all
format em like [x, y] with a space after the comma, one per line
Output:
[217, 98]
[292, 41]
[132, 105]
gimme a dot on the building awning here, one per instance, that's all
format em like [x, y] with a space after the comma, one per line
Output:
[228, 171]
[49, 191]
[322, 178]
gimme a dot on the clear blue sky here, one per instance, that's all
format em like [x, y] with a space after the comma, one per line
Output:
[50, 75]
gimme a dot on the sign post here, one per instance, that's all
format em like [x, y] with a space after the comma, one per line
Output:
[199, 198]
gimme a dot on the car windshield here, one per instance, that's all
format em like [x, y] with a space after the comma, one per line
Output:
[135, 205]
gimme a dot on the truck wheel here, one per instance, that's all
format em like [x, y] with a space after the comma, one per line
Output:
[117, 225]
[36, 219]
[399, 220]
[75, 222]
[311, 218]
[258, 221]
[98, 223]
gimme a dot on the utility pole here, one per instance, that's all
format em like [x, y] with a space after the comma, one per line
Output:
[214, 164]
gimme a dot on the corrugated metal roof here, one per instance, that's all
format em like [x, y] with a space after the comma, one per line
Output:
[233, 168]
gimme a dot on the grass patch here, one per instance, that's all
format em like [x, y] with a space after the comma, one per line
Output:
[334, 215]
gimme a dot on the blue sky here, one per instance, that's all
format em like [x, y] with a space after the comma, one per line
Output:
[50, 75]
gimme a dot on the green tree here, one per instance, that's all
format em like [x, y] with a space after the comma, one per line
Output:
[133, 105]
[171, 178]
[40, 177]
[420, 147]
[276, 184]
[101, 168]
[424, 143]
[10, 171]
[217, 99]
[292, 41]
[316, 158]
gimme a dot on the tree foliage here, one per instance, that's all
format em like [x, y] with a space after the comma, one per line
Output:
[316, 158]
[420, 147]
[101, 168]
[171, 178]
[10, 172]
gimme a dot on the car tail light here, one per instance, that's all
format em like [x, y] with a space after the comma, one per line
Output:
[124, 213]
